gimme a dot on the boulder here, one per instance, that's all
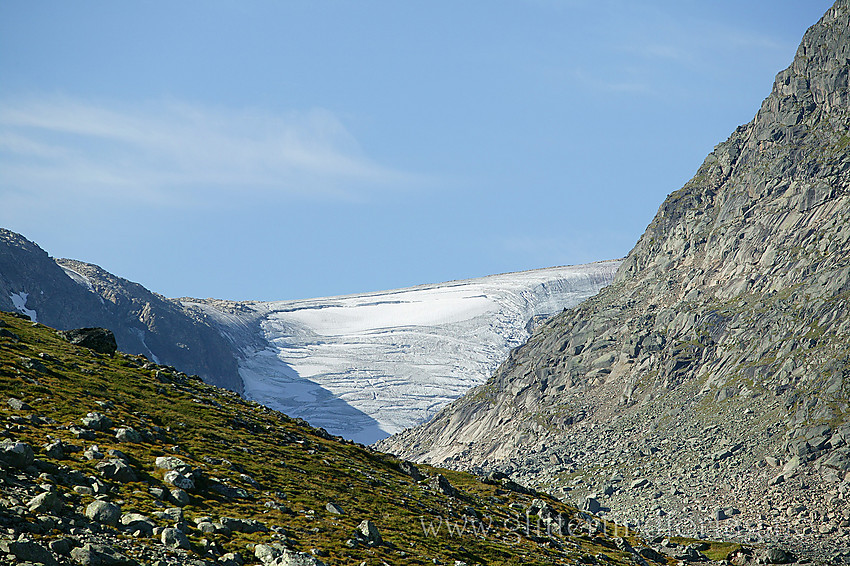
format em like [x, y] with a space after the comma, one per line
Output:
[116, 470]
[178, 480]
[172, 515]
[96, 421]
[776, 555]
[179, 497]
[128, 434]
[591, 505]
[368, 533]
[268, 553]
[100, 555]
[54, 450]
[47, 502]
[28, 551]
[172, 463]
[174, 538]
[104, 512]
[411, 470]
[18, 405]
[440, 484]
[137, 522]
[16, 454]
[100, 340]
[93, 453]
[334, 508]
[247, 526]
[291, 558]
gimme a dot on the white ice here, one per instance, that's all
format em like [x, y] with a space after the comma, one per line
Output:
[366, 366]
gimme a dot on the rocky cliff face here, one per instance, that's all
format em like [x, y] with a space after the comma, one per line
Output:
[70, 294]
[714, 370]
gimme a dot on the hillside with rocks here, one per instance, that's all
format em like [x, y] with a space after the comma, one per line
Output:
[107, 459]
[708, 385]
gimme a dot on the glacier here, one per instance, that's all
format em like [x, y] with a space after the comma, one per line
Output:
[369, 365]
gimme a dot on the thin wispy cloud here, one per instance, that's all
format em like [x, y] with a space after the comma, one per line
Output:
[178, 153]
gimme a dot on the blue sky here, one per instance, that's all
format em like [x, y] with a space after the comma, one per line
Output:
[293, 149]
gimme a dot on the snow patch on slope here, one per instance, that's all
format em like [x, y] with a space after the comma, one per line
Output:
[20, 302]
[369, 365]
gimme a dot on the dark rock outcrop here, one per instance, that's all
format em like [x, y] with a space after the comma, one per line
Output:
[97, 339]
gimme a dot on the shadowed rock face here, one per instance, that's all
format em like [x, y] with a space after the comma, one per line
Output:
[724, 334]
[70, 294]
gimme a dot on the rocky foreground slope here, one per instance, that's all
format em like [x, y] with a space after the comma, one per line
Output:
[708, 385]
[107, 459]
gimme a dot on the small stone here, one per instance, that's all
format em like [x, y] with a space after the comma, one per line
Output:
[334, 508]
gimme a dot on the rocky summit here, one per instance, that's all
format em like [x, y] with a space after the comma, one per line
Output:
[706, 389]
